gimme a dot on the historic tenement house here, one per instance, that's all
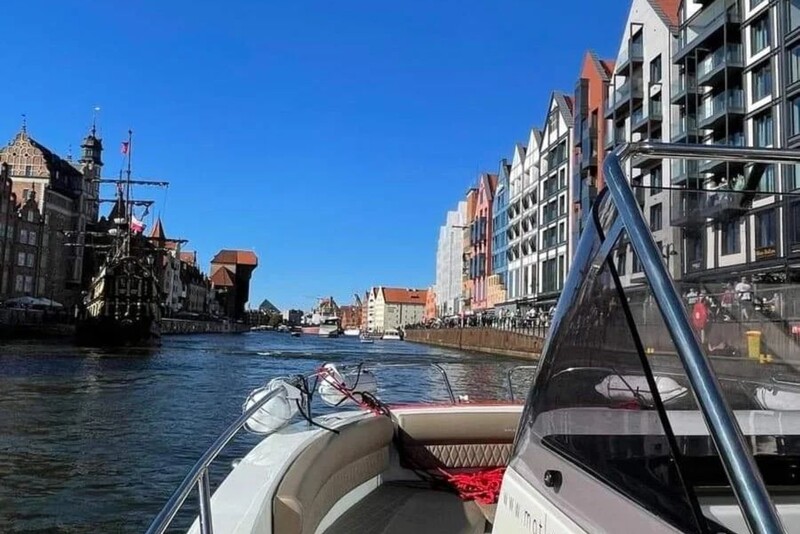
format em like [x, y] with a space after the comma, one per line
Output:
[66, 197]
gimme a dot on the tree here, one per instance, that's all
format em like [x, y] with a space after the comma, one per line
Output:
[275, 319]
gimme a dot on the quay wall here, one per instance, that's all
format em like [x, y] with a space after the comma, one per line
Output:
[173, 327]
[475, 339]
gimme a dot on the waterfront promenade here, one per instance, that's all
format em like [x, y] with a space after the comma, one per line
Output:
[522, 342]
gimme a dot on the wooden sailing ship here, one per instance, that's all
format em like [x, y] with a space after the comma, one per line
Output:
[123, 303]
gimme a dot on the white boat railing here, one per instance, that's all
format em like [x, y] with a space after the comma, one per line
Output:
[198, 476]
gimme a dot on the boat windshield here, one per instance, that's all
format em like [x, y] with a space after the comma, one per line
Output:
[612, 395]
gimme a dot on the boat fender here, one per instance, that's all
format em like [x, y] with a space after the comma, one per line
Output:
[336, 389]
[277, 412]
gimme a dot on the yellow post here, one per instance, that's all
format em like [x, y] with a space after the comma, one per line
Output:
[754, 344]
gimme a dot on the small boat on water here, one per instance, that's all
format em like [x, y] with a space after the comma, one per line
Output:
[351, 332]
[611, 438]
[329, 327]
[295, 334]
[393, 335]
[365, 338]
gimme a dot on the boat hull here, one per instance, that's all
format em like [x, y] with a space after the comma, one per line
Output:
[313, 330]
[108, 332]
[352, 332]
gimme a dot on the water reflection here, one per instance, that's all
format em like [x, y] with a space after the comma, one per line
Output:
[96, 441]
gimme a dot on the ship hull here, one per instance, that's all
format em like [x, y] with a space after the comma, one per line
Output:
[108, 332]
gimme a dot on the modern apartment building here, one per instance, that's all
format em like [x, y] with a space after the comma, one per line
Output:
[498, 283]
[449, 262]
[481, 242]
[638, 109]
[514, 231]
[590, 128]
[738, 65]
[555, 163]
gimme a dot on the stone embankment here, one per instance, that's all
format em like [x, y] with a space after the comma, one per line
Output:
[182, 326]
[475, 339]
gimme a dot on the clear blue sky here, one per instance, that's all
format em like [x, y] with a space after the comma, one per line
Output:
[331, 137]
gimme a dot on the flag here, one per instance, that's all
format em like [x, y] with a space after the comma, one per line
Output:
[137, 226]
[124, 147]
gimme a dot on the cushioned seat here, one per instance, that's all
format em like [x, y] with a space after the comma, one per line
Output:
[398, 509]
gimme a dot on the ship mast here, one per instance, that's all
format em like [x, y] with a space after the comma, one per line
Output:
[128, 204]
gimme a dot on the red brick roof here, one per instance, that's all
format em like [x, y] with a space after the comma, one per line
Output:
[238, 257]
[189, 256]
[158, 230]
[667, 10]
[395, 295]
[222, 277]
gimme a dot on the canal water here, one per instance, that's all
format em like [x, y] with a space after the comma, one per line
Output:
[96, 441]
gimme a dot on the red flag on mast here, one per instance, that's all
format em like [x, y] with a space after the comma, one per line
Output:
[124, 148]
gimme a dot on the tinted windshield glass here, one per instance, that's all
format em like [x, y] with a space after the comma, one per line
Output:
[592, 400]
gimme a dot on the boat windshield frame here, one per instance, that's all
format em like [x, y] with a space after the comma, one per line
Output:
[745, 478]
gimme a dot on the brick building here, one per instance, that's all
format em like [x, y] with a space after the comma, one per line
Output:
[65, 194]
[230, 275]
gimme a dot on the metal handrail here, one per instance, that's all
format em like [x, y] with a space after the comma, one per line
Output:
[746, 480]
[198, 476]
[510, 374]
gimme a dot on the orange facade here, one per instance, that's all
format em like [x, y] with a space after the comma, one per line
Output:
[481, 242]
[472, 202]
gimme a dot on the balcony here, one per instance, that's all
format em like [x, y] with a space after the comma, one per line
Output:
[633, 54]
[711, 70]
[682, 87]
[684, 129]
[712, 111]
[608, 138]
[690, 208]
[705, 25]
[589, 148]
[684, 170]
[641, 120]
[715, 166]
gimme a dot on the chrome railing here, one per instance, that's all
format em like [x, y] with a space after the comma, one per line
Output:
[746, 481]
[198, 476]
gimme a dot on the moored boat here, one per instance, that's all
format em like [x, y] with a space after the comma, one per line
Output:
[329, 327]
[351, 332]
[393, 335]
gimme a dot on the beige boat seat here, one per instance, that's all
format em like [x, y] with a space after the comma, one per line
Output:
[461, 440]
[335, 464]
[328, 469]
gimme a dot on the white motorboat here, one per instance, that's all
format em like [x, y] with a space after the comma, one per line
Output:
[391, 335]
[631, 422]
[329, 327]
[352, 332]
[365, 338]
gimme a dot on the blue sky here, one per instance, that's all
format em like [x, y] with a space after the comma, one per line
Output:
[330, 137]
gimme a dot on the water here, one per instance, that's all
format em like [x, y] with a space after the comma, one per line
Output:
[95, 441]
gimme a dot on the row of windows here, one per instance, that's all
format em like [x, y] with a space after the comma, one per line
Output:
[27, 237]
[23, 284]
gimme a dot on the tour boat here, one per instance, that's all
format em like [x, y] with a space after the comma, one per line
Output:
[329, 327]
[631, 422]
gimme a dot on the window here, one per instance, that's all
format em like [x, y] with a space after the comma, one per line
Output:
[794, 116]
[656, 219]
[19, 283]
[561, 271]
[562, 205]
[29, 260]
[794, 217]
[23, 236]
[762, 81]
[562, 178]
[31, 237]
[28, 170]
[794, 14]
[793, 57]
[762, 129]
[637, 267]
[655, 69]
[765, 229]
[759, 35]
[562, 233]
[791, 174]
[731, 242]
[30, 216]
[622, 261]
[656, 176]
[20, 259]
[28, 284]
[767, 182]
